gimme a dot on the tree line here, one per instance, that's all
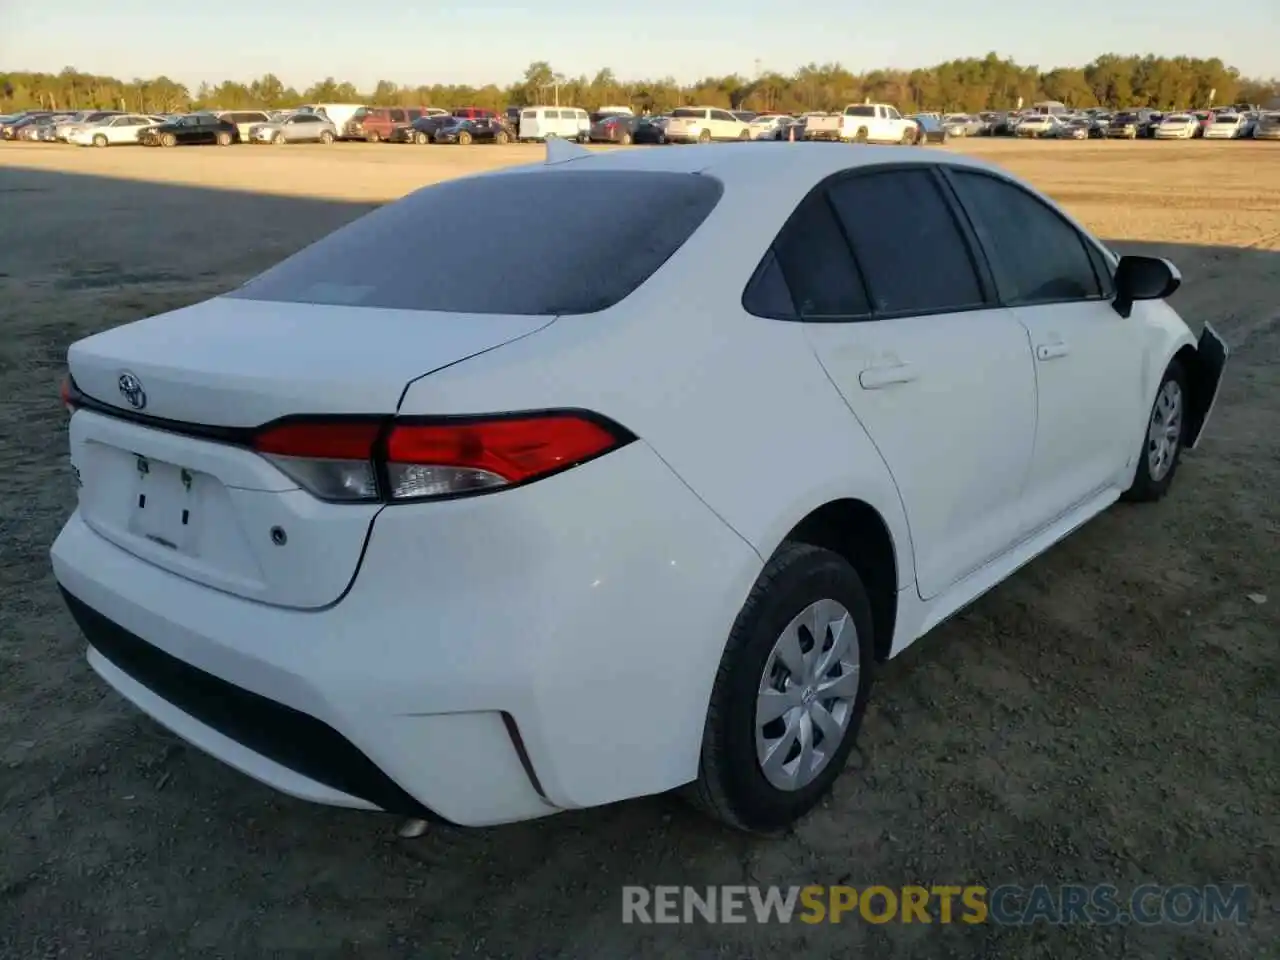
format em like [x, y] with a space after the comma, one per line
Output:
[970, 84]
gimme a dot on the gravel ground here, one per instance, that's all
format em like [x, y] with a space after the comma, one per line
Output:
[1110, 714]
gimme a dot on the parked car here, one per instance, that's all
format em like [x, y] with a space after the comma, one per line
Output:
[464, 131]
[962, 125]
[651, 129]
[1205, 117]
[375, 124]
[862, 123]
[245, 120]
[766, 127]
[193, 129]
[42, 129]
[1075, 128]
[613, 128]
[705, 124]
[929, 129]
[1125, 125]
[14, 122]
[115, 131]
[377, 558]
[336, 113]
[1267, 127]
[421, 131]
[566, 123]
[1177, 126]
[1226, 126]
[85, 118]
[1039, 126]
[299, 128]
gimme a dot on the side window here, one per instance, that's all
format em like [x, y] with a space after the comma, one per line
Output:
[815, 266]
[413, 114]
[1102, 269]
[397, 116]
[1037, 256]
[722, 115]
[911, 250]
[893, 114]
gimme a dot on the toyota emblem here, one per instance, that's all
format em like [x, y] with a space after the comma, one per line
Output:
[131, 390]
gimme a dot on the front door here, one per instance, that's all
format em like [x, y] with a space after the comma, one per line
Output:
[1090, 407]
[935, 371]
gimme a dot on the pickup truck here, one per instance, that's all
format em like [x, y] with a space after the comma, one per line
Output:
[863, 123]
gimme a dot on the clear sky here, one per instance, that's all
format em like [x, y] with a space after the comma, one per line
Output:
[478, 41]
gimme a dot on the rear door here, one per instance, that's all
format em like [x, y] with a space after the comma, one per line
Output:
[937, 373]
[1088, 359]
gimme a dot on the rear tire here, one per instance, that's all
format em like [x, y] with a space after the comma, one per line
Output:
[100, 140]
[625, 140]
[860, 136]
[326, 137]
[1162, 442]
[907, 138]
[500, 138]
[421, 138]
[732, 784]
[704, 136]
[168, 140]
[464, 139]
[373, 137]
[223, 139]
[744, 136]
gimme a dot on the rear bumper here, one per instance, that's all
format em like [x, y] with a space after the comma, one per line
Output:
[498, 658]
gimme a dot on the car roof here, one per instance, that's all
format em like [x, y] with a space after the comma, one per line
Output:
[751, 163]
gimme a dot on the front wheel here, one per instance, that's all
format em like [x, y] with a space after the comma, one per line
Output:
[625, 140]
[1162, 444]
[223, 138]
[168, 140]
[99, 140]
[789, 694]
[373, 137]
[908, 138]
[464, 139]
[421, 138]
[500, 137]
[326, 137]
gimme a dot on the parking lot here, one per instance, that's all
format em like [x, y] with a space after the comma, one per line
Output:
[1109, 715]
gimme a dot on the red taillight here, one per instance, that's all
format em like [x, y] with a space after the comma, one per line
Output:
[64, 393]
[368, 459]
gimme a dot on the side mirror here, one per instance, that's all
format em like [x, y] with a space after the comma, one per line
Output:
[1143, 278]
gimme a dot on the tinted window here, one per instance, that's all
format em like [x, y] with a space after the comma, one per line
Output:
[861, 111]
[414, 114]
[1037, 256]
[767, 294]
[397, 116]
[689, 113]
[816, 263]
[449, 247]
[907, 243]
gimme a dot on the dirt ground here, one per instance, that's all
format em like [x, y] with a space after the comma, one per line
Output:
[1109, 715]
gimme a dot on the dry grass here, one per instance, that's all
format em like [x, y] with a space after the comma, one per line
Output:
[1108, 715]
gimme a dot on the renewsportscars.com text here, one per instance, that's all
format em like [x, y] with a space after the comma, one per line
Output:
[1006, 905]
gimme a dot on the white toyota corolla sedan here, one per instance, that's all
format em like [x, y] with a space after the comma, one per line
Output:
[490, 505]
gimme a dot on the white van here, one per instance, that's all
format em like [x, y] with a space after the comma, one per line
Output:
[338, 113]
[567, 123]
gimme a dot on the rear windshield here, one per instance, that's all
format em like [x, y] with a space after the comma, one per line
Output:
[482, 245]
[862, 111]
[688, 112]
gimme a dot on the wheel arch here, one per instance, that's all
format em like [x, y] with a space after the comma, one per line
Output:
[856, 531]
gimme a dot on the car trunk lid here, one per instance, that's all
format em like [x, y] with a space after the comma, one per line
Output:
[160, 442]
